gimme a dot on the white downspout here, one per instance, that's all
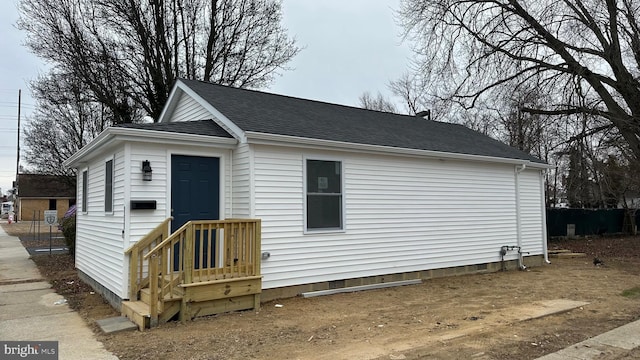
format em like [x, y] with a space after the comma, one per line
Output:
[519, 169]
[230, 177]
[543, 210]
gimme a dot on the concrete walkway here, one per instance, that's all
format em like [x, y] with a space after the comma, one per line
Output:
[28, 310]
[614, 344]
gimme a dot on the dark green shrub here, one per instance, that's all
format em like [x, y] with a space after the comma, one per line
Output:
[68, 225]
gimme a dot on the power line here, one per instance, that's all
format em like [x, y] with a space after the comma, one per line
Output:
[16, 104]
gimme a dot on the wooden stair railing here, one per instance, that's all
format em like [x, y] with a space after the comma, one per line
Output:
[166, 269]
[190, 256]
[138, 274]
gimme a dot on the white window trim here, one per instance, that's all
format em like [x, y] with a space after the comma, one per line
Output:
[306, 230]
[113, 167]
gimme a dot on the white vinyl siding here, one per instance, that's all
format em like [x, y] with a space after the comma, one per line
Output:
[142, 221]
[531, 211]
[279, 192]
[188, 109]
[119, 178]
[402, 214]
[241, 184]
[99, 243]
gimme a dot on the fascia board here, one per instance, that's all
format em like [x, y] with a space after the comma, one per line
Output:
[97, 142]
[141, 135]
[170, 105]
[285, 140]
[117, 135]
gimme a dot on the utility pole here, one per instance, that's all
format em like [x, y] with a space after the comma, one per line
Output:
[18, 143]
[15, 203]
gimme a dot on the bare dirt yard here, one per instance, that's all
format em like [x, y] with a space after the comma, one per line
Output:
[463, 317]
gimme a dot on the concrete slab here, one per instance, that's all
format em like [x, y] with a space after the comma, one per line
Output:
[29, 310]
[75, 340]
[548, 307]
[45, 250]
[614, 344]
[30, 304]
[18, 287]
[559, 251]
[625, 337]
[15, 264]
[568, 255]
[581, 352]
[116, 324]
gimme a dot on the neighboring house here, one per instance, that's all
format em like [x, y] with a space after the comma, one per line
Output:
[37, 193]
[345, 195]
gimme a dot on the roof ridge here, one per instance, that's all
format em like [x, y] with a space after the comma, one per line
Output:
[266, 112]
[297, 98]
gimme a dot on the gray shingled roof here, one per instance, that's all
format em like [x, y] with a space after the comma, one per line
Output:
[199, 127]
[276, 114]
[46, 186]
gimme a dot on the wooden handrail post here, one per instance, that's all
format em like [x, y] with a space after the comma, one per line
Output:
[153, 289]
[258, 247]
[133, 275]
[188, 255]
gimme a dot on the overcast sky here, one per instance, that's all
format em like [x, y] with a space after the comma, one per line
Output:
[349, 47]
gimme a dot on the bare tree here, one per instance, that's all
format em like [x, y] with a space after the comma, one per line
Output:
[64, 121]
[378, 102]
[584, 54]
[128, 53]
[409, 88]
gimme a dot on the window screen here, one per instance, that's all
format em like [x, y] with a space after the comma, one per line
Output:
[324, 195]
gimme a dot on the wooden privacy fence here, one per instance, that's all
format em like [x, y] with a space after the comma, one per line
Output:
[199, 252]
[592, 221]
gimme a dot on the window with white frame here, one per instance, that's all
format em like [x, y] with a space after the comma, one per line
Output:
[108, 186]
[324, 195]
[84, 191]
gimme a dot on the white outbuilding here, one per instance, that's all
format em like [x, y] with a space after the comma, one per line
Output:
[346, 196]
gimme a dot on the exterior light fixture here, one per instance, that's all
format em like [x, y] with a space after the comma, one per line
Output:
[146, 170]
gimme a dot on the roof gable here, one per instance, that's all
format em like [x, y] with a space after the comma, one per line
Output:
[260, 112]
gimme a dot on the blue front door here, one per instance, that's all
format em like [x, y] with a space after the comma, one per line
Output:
[195, 195]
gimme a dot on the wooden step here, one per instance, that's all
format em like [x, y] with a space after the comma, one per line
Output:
[169, 311]
[145, 295]
[138, 312]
